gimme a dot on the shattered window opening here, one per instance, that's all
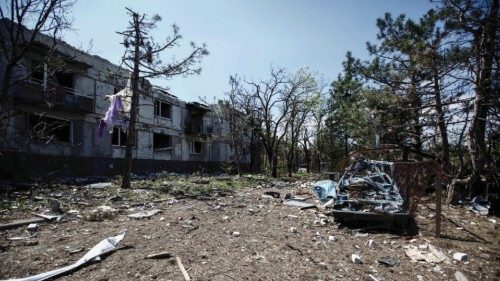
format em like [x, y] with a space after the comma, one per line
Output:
[49, 128]
[37, 72]
[66, 79]
[196, 147]
[161, 141]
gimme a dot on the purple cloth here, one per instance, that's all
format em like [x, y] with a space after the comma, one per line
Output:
[114, 116]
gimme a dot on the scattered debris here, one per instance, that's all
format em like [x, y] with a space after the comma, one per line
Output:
[388, 261]
[460, 276]
[183, 270]
[460, 256]
[356, 259]
[331, 238]
[439, 254]
[236, 234]
[163, 255]
[42, 218]
[372, 244]
[17, 238]
[32, 227]
[101, 213]
[144, 214]
[298, 204]
[438, 270]
[55, 206]
[100, 185]
[372, 277]
[293, 229]
[360, 235]
[420, 254]
[325, 190]
[479, 205]
[273, 194]
[105, 246]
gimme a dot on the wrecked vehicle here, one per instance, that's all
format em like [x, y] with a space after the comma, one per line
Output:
[366, 192]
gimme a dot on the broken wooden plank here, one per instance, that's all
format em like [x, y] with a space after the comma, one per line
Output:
[183, 270]
[163, 255]
[20, 223]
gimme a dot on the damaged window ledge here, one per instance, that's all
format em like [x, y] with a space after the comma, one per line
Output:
[162, 149]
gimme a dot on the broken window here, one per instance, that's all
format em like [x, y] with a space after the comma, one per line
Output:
[66, 79]
[162, 109]
[161, 141]
[37, 72]
[119, 137]
[196, 147]
[48, 128]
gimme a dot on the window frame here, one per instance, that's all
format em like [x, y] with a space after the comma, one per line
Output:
[170, 137]
[192, 147]
[158, 109]
[120, 132]
[54, 138]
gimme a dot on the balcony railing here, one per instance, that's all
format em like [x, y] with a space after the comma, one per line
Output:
[58, 96]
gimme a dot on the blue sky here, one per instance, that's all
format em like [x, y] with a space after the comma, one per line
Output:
[244, 37]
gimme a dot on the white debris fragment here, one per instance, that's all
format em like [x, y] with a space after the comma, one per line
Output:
[32, 226]
[460, 256]
[372, 244]
[358, 234]
[356, 259]
[144, 214]
[460, 276]
[331, 238]
[438, 270]
[236, 234]
[293, 229]
[225, 218]
[100, 185]
[323, 265]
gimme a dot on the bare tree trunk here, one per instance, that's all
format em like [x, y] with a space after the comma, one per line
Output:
[274, 165]
[443, 131]
[484, 92]
[134, 108]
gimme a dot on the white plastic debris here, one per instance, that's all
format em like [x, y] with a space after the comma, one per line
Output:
[356, 259]
[32, 226]
[236, 234]
[105, 246]
[438, 270]
[460, 276]
[371, 243]
[100, 185]
[145, 214]
[460, 256]
[293, 229]
[331, 238]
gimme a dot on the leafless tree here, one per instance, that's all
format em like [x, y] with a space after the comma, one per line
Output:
[142, 58]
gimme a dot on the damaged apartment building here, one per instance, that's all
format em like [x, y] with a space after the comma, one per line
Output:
[50, 127]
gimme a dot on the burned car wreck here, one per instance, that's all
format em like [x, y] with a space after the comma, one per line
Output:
[366, 192]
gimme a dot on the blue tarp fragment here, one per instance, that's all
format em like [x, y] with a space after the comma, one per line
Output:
[325, 190]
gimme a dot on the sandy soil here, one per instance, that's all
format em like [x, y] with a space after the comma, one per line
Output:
[238, 235]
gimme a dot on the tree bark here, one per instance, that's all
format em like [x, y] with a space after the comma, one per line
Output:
[485, 44]
[443, 130]
[134, 109]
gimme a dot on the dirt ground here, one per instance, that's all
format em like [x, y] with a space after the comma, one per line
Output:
[225, 229]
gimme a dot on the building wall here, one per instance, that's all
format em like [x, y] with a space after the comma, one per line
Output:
[96, 84]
